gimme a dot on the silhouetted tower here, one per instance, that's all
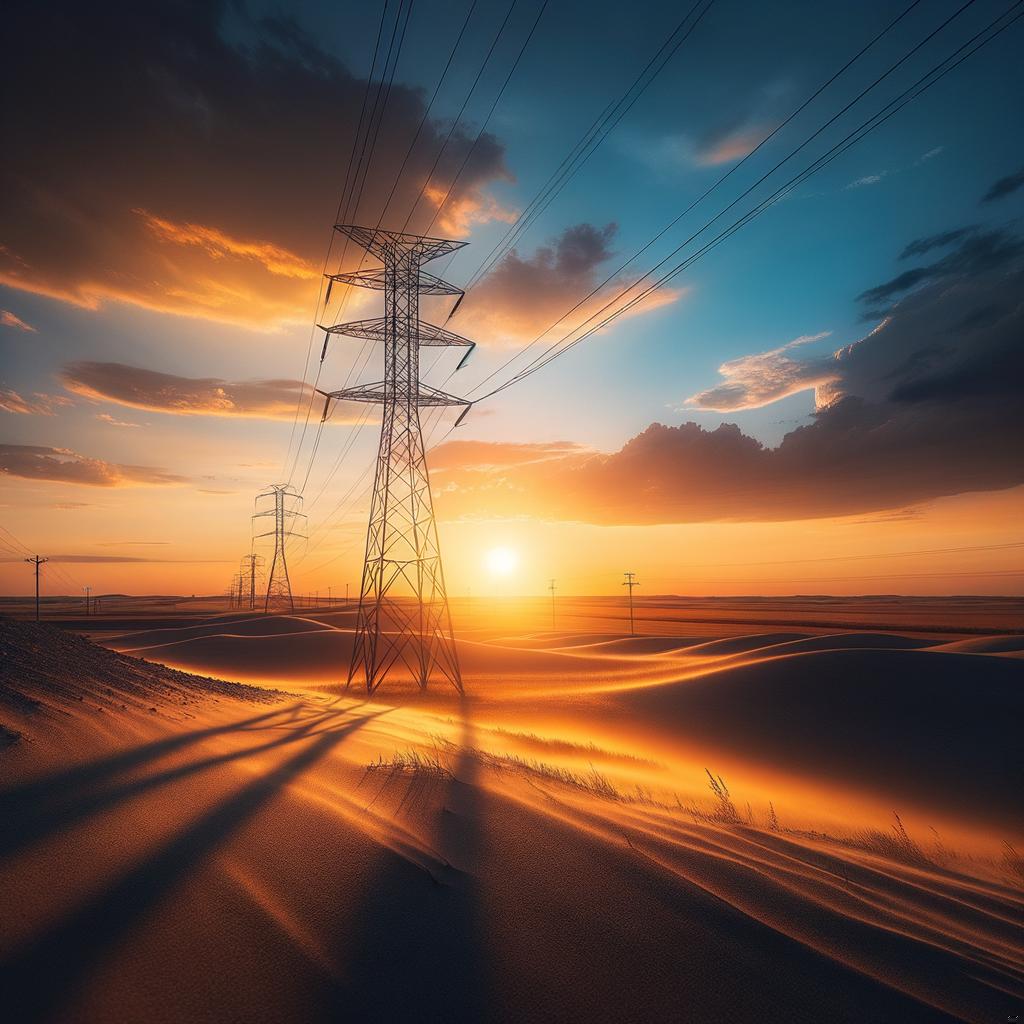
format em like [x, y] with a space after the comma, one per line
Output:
[631, 582]
[252, 572]
[88, 602]
[285, 511]
[403, 617]
[37, 561]
[551, 587]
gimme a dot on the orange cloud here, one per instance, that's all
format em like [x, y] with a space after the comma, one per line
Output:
[219, 245]
[138, 388]
[38, 405]
[524, 296]
[733, 146]
[201, 212]
[62, 465]
[105, 417]
[460, 212]
[753, 381]
[8, 319]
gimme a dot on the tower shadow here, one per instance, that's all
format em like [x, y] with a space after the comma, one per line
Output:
[55, 805]
[417, 940]
[41, 976]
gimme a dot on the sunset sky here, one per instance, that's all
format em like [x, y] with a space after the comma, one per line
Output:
[829, 401]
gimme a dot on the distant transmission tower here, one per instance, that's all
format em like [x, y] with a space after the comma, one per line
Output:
[285, 511]
[252, 572]
[403, 616]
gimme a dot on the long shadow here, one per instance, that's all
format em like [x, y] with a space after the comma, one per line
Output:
[41, 976]
[30, 820]
[104, 767]
[417, 942]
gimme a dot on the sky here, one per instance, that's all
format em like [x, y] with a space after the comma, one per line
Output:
[825, 399]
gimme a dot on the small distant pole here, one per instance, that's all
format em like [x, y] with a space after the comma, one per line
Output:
[37, 561]
[346, 593]
[87, 590]
[631, 582]
[551, 587]
[330, 600]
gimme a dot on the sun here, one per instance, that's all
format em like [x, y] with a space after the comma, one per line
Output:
[502, 561]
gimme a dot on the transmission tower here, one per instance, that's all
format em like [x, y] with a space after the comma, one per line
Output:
[287, 502]
[403, 617]
[252, 572]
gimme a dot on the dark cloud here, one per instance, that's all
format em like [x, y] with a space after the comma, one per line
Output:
[36, 462]
[149, 159]
[928, 404]
[920, 246]
[978, 253]
[138, 388]
[1004, 187]
[524, 295]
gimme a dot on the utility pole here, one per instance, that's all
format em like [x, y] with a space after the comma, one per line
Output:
[346, 594]
[551, 587]
[37, 561]
[631, 583]
[87, 590]
[287, 502]
[252, 569]
[330, 600]
[403, 617]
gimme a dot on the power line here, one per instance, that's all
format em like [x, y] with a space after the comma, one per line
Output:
[486, 120]
[330, 243]
[363, 165]
[458, 116]
[935, 74]
[711, 189]
[599, 130]
[451, 187]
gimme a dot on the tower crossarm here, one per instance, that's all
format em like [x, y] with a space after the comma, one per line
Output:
[384, 244]
[375, 278]
[426, 334]
[375, 392]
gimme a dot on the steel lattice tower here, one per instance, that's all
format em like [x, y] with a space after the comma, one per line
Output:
[284, 512]
[252, 571]
[403, 618]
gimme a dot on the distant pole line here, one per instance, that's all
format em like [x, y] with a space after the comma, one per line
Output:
[551, 587]
[87, 590]
[631, 582]
[37, 561]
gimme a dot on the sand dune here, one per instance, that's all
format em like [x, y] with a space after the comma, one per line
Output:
[323, 858]
[1012, 646]
[932, 728]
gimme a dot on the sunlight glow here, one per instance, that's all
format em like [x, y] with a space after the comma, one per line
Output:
[502, 561]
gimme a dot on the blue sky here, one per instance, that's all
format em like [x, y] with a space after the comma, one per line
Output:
[795, 271]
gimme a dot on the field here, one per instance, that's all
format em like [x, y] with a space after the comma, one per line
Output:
[753, 810]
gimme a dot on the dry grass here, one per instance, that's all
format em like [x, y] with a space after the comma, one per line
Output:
[410, 763]
[895, 844]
